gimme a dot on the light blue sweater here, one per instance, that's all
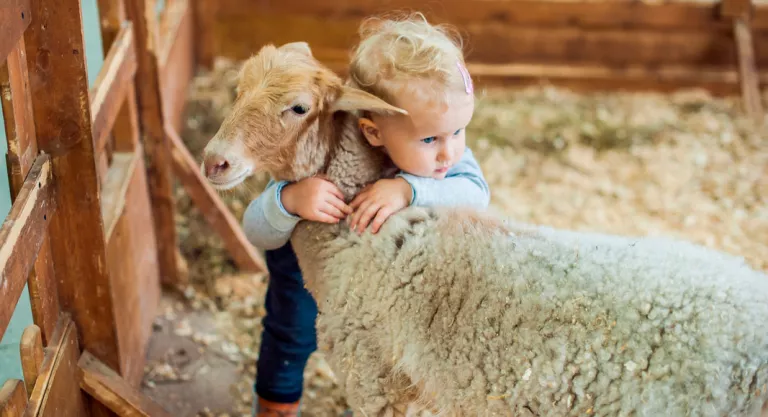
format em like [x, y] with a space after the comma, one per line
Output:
[269, 226]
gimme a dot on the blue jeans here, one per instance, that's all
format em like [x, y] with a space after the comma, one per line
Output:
[289, 335]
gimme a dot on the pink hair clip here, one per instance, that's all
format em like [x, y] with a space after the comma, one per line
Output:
[467, 79]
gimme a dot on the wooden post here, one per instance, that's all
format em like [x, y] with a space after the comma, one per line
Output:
[740, 13]
[155, 143]
[59, 91]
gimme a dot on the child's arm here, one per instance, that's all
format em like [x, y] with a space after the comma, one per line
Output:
[267, 224]
[269, 220]
[464, 185]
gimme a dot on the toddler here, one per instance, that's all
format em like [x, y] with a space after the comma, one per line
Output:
[412, 65]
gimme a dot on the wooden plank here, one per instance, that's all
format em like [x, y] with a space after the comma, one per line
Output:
[111, 86]
[155, 143]
[205, 13]
[21, 235]
[736, 8]
[495, 43]
[750, 85]
[111, 17]
[132, 258]
[22, 149]
[56, 59]
[541, 13]
[14, 20]
[56, 393]
[17, 112]
[31, 347]
[98, 380]
[177, 62]
[114, 189]
[212, 207]
[13, 398]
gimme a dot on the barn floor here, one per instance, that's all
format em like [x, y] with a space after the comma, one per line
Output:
[684, 165]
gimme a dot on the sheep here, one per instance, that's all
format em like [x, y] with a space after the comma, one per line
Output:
[462, 313]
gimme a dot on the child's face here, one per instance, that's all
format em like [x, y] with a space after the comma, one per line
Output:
[429, 140]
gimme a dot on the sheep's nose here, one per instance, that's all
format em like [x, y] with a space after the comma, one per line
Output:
[215, 165]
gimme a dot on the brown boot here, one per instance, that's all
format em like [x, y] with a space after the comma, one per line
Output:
[266, 408]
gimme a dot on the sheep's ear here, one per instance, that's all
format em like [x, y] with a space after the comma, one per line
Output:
[300, 47]
[352, 99]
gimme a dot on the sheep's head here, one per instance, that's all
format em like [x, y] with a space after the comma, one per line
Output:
[282, 120]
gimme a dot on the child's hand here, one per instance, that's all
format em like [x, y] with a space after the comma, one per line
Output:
[315, 199]
[382, 199]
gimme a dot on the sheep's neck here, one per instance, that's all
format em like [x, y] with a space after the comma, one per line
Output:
[352, 165]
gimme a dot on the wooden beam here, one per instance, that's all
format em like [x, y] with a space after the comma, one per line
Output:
[32, 355]
[736, 8]
[545, 14]
[101, 382]
[177, 61]
[58, 81]
[56, 392]
[750, 85]
[210, 205]
[22, 149]
[205, 15]
[115, 188]
[155, 142]
[112, 85]
[14, 19]
[13, 399]
[111, 17]
[21, 235]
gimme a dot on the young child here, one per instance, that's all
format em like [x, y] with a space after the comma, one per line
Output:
[412, 65]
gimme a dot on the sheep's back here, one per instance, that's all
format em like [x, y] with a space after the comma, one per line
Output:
[556, 322]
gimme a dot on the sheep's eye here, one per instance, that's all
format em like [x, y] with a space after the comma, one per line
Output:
[300, 109]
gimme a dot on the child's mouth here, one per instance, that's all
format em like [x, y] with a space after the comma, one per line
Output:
[442, 170]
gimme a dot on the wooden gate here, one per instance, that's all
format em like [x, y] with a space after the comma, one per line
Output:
[93, 262]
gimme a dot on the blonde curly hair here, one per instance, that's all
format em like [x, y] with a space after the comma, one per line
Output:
[408, 53]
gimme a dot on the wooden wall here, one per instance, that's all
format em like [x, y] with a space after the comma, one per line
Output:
[597, 43]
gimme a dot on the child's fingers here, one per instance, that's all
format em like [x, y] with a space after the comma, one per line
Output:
[339, 204]
[358, 213]
[335, 190]
[367, 215]
[359, 199]
[382, 216]
[333, 211]
[319, 216]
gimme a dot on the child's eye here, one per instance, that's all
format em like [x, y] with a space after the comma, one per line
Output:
[429, 139]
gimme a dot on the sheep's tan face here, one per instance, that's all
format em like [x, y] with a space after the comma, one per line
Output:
[281, 122]
[281, 94]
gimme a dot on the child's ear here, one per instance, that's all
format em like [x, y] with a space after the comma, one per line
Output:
[370, 131]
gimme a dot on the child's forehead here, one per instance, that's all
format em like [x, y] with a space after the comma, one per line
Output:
[438, 117]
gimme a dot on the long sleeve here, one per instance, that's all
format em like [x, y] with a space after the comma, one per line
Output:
[464, 185]
[266, 223]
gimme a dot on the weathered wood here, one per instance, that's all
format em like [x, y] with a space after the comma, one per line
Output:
[56, 59]
[493, 43]
[14, 19]
[155, 142]
[736, 8]
[112, 85]
[56, 393]
[17, 112]
[22, 149]
[21, 235]
[583, 14]
[750, 85]
[205, 13]
[31, 348]
[212, 207]
[115, 187]
[111, 17]
[98, 380]
[177, 61]
[132, 258]
[13, 398]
